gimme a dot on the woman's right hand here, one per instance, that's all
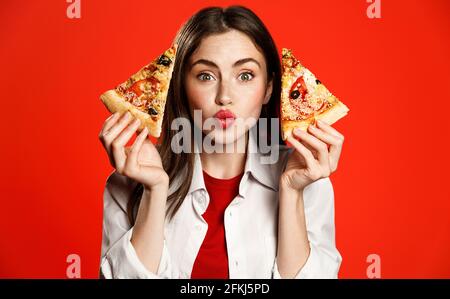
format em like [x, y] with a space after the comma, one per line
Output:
[141, 161]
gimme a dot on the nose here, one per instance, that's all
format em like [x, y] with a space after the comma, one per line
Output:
[223, 95]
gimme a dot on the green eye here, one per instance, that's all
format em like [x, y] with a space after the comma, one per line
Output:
[205, 77]
[246, 76]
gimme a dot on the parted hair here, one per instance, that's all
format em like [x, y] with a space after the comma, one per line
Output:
[206, 22]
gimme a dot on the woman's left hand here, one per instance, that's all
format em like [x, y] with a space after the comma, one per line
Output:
[316, 155]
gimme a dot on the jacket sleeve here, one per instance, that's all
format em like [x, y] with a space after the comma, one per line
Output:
[118, 257]
[324, 259]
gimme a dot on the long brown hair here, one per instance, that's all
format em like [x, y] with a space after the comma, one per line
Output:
[208, 21]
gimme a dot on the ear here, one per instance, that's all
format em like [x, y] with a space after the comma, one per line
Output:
[268, 91]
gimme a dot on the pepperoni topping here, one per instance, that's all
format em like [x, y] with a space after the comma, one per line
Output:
[298, 90]
[137, 87]
[297, 96]
[150, 85]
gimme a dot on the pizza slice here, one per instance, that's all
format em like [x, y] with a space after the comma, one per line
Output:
[304, 99]
[144, 94]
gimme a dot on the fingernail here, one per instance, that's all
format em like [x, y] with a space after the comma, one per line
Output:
[320, 122]
[297, 131]
[111, 116]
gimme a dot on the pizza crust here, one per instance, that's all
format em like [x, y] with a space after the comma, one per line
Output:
[115, 103]
[338, 111]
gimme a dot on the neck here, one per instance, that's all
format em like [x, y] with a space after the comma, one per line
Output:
[224, 165]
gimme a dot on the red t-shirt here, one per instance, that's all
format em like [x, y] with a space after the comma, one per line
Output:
[212, 258]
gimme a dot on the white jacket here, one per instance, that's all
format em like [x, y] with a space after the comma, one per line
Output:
[251, 222]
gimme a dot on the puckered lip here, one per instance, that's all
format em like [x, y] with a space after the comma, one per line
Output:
[224, 114]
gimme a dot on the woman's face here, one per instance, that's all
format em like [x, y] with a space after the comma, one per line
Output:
[226, 79]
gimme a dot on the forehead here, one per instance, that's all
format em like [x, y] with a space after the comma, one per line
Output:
[227, 48]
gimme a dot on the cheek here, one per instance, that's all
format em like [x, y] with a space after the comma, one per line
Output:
[198, 96]
[253, 99]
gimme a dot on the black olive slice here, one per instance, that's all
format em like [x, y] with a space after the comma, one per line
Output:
[295, 94]
[152, 111]
[164, 60]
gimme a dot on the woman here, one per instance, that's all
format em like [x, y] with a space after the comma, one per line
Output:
[220, 214]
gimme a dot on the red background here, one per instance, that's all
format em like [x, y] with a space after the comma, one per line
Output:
[391, 188]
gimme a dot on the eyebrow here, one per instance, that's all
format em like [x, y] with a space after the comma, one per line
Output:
[237, 63]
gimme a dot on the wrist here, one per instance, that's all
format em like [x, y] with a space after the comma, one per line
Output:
[289, 196]
[160, 189]
[160, 185]
[285, 184]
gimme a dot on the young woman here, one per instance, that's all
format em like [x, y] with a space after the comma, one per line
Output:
[214, 214]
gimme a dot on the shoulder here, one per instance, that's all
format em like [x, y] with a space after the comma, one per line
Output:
[118, 191]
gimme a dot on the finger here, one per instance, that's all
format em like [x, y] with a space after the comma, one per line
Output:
[313, 151]
[127, 133]
[333, 141]
[329, 129]
[136, 147]
[110, 135]
[319, 146]
[322, 135]
[335, 144]
[119, 126]
[310, 161]
[110, 121]
[118, 145]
